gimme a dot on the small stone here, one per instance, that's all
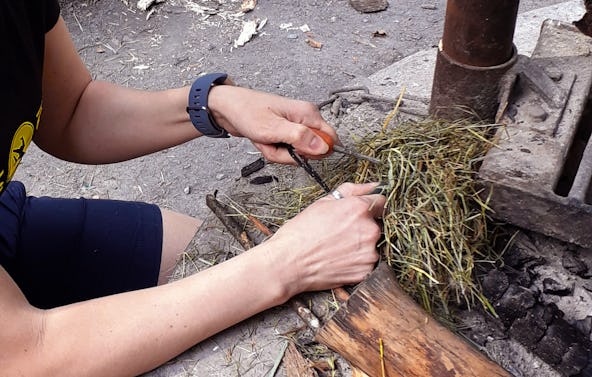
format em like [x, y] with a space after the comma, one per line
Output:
[292, 36]
[220, 176]
[187, 190]
[573, 264]
[553, 287]
[369, 6]
[537, 113]
[428, 6]
[554, 73]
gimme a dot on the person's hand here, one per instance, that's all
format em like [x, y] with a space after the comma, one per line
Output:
[267, 119]
[332, 242]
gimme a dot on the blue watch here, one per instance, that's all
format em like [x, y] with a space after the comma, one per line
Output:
[198, 105]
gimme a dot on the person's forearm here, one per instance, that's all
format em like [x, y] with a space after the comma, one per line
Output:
[127, 334]
[112, 124]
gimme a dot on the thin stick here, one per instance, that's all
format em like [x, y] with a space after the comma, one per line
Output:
[224, 214]
[259, 225]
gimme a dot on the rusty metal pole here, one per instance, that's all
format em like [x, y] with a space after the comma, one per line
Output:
[475, 51]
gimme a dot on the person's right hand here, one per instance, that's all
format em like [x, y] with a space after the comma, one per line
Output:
[332, 242]
[268, 119]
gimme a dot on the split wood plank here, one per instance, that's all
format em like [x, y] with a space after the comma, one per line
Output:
[415, 345]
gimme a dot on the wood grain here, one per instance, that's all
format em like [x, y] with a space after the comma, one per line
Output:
[415, 345]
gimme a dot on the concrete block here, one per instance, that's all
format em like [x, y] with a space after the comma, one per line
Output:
[539, 175]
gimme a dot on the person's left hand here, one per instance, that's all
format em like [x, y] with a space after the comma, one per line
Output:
[267, 119]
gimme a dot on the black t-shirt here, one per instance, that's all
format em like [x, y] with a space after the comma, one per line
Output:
[23, 24]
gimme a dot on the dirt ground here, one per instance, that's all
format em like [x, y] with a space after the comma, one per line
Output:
[176, 43]
[179, 39]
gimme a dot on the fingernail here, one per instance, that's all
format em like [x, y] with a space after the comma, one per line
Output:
[319, 144]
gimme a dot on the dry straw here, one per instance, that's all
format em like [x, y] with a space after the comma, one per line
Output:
[435, 221]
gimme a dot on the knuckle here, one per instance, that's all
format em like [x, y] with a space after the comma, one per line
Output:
[308, 107]
[346, 187]
[298, 133]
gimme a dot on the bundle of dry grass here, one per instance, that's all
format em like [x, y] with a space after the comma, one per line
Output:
[435, 223]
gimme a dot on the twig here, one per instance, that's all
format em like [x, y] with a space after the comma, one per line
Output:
[78, 22]
[223, 213]
[259, 225]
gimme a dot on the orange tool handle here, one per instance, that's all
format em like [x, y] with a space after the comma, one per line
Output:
[326, 138]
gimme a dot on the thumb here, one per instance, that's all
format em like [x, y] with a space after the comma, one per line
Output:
[352, 189]
[309, 141]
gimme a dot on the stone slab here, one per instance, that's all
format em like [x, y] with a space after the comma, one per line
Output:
[535, 177]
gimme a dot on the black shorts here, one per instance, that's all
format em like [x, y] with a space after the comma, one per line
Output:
[61, 251]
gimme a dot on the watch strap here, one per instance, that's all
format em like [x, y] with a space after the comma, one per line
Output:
[197, 107]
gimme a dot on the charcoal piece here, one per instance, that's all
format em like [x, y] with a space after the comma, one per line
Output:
[522, 278]
[514, 303]
[495, 284]
[584, 326]
[253, 167]
[587, 371]
[523, 253]
[262, 180]
[480, 327]
[547, 313]
[574, 361]
[553, 287]
[560, 336]
[528, 330]
[573, 264]
[585, 24]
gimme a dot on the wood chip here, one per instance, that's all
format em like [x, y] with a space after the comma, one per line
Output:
[312, 43]
[248, 5]
[296, 364]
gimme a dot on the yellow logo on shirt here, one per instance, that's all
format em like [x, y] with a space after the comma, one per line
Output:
[20, 142]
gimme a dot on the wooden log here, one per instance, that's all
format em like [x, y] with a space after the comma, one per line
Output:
[415, 345]
[369, 6]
